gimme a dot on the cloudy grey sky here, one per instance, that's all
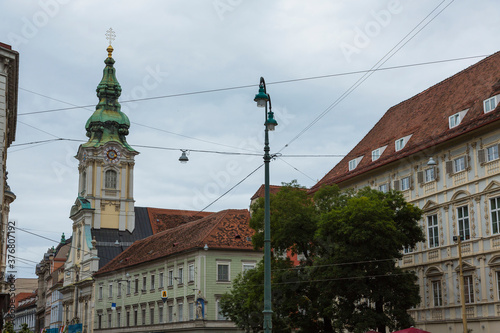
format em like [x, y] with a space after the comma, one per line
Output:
[168, 48]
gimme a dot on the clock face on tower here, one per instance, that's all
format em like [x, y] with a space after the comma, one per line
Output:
[112, 155]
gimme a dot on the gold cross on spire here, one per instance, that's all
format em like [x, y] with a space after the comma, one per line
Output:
[110, 36]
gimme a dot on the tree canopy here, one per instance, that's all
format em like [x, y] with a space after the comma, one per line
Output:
[348, 244]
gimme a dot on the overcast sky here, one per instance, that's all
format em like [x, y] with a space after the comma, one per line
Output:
[166, 48]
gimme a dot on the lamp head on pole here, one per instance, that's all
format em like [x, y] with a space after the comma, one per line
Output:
[262, 97]
[271, 123]
[431, 162]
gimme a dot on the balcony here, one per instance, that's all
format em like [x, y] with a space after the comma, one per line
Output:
[430, 187]
[408, 260]
[437, 314]
[470, 311]
[433, 255]
[466, 248]
[492, 167]
[459, 178]
[495, 242]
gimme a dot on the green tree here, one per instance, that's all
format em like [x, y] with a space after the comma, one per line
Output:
[25, 329]
[8, 328]
[348, 279]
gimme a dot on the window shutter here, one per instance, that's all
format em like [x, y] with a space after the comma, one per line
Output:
[396, 185]
[466, 161]
[480, 156]
[436, 173]
[420, 177]
[411, 183]
[449, 167]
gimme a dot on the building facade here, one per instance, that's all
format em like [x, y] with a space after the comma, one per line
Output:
[173, 280]
[25, 311]
[9, 77]
[457, 124]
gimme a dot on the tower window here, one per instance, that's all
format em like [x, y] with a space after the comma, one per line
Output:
[110, 179]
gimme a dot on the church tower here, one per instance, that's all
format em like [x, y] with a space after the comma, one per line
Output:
[107, 160]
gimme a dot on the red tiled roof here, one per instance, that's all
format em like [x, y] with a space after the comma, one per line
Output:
[5, 46]
[425, 117]
[273, 189]
[226, 230]
[163, 219]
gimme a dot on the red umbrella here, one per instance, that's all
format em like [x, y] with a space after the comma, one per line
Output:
[411, 330]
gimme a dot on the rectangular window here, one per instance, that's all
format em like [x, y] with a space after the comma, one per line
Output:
[492, 153]
[495, 214]
[405, 183]
[110, 290]
[375, 154]
[191, 310]
[127, 318]
[468, 289]
[128, 287]
[180, 276]
[352, 164]
[151, 316]
[170, 313]
[109, 320]
[160, 314]
[144, 283]
[160, 278]
[429, 175]
[99, 321]
[143, 312]
[247, 267]
[222, 272]
[170, 281]
[152, 281]
[400, 143]
[118, 319]
[463, 222]
[119, 291]
[136, 317]
[100, 292]
[191, 273]
[220, 315]
[136, 285]
[180, 311]
[436, 292]
[490, 104]
[383, 188]
[459, 164]
[454, 120]
[432, 231]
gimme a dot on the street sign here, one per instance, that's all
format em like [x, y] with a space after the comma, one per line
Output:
[164, 296]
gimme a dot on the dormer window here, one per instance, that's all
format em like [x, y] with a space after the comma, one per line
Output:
[375, 154]
[490, 104]
[454, 120]
[354, 163]
[401, 143]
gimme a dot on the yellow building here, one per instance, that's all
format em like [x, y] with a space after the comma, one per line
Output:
[457, 124]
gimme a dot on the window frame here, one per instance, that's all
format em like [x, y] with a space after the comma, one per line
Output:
[353, 164]
[468, 289]
[490, 104]
[399, 144]
[191, 274]
[407, 181]
[111, 179]
[153, 281]
[432, 231]
[495, 215]
[454, 120]
[429, 175]
[384, 188]
[170, 278]
[180, 311]
[221, 264]
[376, 154]
[437, 297]
[492, 156]
[161, 277]
[180, 274]
[459, 164]
[463, 221]
[110, 290]
[218, 310]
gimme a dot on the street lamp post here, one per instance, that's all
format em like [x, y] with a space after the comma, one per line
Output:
[262, 99]
[462, 294]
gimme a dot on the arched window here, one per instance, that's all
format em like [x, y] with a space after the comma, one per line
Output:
[110, 179]
[84, 182]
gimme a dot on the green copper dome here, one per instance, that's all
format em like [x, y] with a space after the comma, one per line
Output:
[108, 123]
